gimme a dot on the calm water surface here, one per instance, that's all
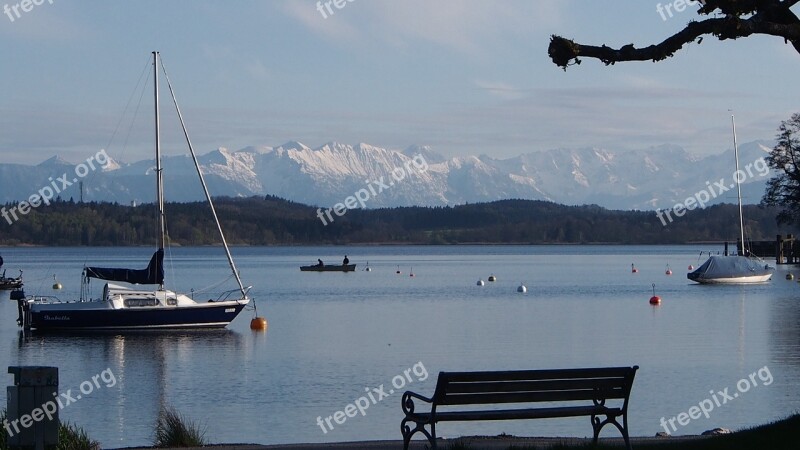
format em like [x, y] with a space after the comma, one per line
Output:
[333, 335]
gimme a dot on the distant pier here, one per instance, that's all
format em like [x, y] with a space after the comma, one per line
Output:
[784, 249]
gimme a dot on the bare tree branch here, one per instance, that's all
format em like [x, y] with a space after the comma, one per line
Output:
[769, 17]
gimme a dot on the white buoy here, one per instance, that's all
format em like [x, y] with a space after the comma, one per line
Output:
[368, 268]
[56, 284]
[480, 282]
[492, 278]
[522, 288]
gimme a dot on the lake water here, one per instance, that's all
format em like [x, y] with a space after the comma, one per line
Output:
[332, 335]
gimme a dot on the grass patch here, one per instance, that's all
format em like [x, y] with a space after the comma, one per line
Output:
[73, 437]
[174, 430]
[70, 437]
[458, 445]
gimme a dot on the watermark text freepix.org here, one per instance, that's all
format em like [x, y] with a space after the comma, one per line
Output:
[48, 192]
[713, 191]
[23, 6]
[677, 5]
[360, 197]
[59, 402]
[372, 396]
[718, 399]
[325, 6]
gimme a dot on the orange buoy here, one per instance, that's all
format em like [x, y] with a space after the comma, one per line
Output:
[258, 324]
[634, 269]
[655, 300]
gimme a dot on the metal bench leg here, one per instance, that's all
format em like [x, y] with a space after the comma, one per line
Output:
[625, 432]
[598, 425]
[419, 427]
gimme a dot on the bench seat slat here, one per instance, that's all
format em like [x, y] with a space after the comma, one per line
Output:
[539, 385]
[513, 414]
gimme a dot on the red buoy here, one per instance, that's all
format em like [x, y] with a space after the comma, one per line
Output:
[669, 271]
[634, 269]
[691, 267]
[655, 300]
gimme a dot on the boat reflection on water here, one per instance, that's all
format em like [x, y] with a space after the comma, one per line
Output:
[146, 372]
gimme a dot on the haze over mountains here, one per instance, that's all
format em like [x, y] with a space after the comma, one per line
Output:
[657, 177]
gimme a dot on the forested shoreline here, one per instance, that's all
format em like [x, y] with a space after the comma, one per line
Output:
[274, 221]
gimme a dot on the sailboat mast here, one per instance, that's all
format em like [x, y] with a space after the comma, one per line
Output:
[738, 186]
[159, 174]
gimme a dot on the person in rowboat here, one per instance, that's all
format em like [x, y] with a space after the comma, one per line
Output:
[345, 261]
[320, 263]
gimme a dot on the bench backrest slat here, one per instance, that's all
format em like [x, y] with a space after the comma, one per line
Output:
[523, 386]
[537, 386]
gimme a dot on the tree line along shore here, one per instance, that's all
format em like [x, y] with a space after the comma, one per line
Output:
[274, 221]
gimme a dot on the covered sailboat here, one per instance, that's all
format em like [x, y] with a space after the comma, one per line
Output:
[733, 269]
[134, 307]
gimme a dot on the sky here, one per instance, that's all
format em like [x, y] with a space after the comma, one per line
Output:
[464, 77]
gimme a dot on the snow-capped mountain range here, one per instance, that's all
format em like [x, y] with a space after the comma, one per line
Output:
[657, 177]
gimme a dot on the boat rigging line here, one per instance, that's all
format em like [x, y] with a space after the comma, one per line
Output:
[242, 289]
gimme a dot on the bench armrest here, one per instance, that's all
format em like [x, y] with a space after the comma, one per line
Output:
[408, 401]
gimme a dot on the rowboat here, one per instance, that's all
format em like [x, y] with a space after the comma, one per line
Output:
[326, 268]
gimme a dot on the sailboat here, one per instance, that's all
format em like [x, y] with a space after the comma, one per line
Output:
[733, 269]
[129, 307]
[10, 283]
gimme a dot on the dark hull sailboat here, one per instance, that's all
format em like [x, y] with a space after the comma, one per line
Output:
[68, 318]
[131, 307]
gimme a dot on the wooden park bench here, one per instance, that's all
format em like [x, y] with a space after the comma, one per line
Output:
[568, 392]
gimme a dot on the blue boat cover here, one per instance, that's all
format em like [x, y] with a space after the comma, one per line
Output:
[721, 267]
[153, 274]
